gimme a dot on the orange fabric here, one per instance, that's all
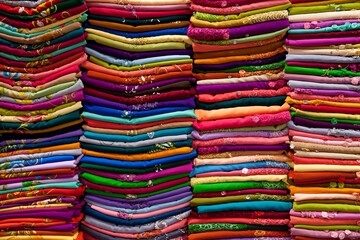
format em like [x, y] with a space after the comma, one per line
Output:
[140, 28]
[42, 150]
[321, 221]
[242, 51]
[220, 60]
[294, 190]
[141, 80]
[313, 176]
[139, 157]
[206, 76]
[197, 47]
[149, 71]
[34, 232]
[37, 222]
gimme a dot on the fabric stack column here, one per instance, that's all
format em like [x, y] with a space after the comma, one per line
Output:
[240, 174]
[139, 111]
[41, 48]
[323, 73]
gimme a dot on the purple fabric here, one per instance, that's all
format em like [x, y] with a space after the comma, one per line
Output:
[323, 24]
[322, 41]
[268, 238]
[143, 177]
[50, 213]
[215, 135]
[327, 92]
[60, 228]
[131, 88]
[40, 140]
[258, 62]
[151, 198]
[135, 55]
[219, 149]
[46, 166]
[73, 97]
[211, 34]
[223, 88]
[321, 124]
[138, 205]
[189, 102]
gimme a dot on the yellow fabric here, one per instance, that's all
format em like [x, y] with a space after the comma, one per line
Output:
[317, 102]
[268, 178]
[327, 115]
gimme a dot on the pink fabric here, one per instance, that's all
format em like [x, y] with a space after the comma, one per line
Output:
[241, 159]
[324, 137]
[312, 78]
[348, 143]
[237, 9]
[256, 221]
[247, 172]
[142, 8]
[240, 141]
[128, 216]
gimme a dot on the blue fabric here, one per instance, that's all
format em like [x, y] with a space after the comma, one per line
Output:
[133, 222]
[129, 114]
[137, 164]
[276, 206]
[37, 161]
[238, 166]
[10, 148]
[140, 137]
[171, 31]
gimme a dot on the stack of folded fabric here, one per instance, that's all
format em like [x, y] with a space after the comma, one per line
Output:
[41, 48]
[139, 111]
[240, 174]
[323, 73]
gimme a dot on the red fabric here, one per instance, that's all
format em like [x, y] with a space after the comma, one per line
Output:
[302, 160]
[77, 192]
[353, 33]
[327, 109]
[166, 96]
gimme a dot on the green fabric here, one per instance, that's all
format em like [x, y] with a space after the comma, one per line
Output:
[219, 18]
[138, 22]
[153, 118]
[137, 150]
[324, 8]
[136, 48]
[332, 120]
[239, 198]
[17, 32]
[243, 40]
[207, 227]
[331, 227]
[73, 116]
[121, 184]
[9, 112]
[133, 170]
[41, 57]
[233, 186]
[271, 66]
[39, 94]
[57, 8]
[248, 129]
[138, 67]
[251, 101]
[68, 185]
[334, 28]
[135, 196]
[325, 207]
[321, 72]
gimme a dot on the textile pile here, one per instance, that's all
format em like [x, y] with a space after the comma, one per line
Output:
[240, 174]
[139, 111]
[41, 48]
[323, 73]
